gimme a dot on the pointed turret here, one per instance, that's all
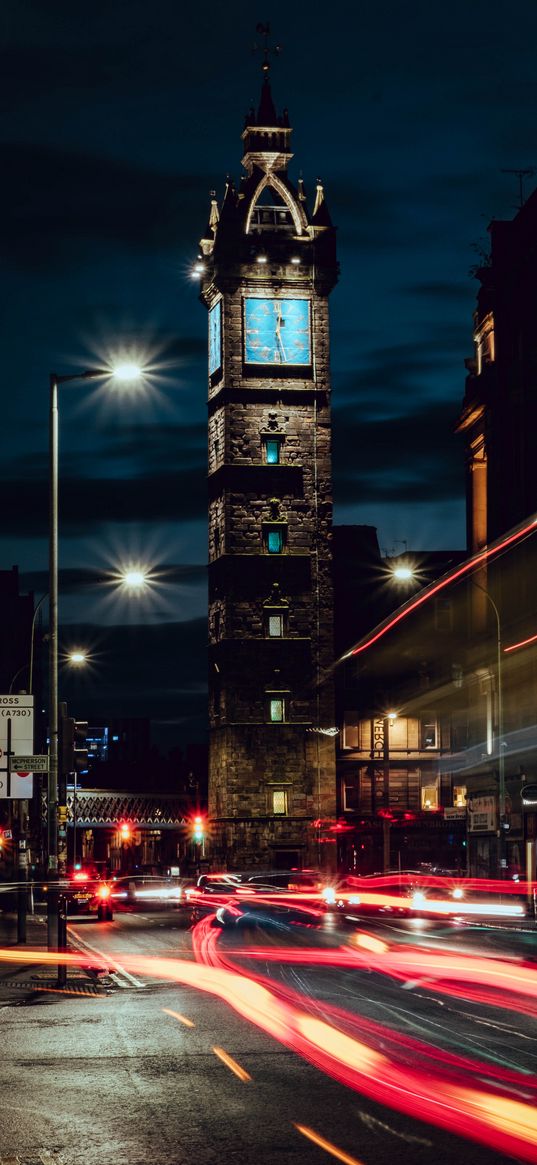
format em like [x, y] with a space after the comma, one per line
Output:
[209, 235]
[266, 136]
[321, 213]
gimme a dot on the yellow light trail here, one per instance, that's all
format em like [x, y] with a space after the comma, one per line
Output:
[182, 1018]
[231, 1063]
[327, 1145]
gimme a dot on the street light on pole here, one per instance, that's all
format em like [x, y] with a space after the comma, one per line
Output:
[123, 372]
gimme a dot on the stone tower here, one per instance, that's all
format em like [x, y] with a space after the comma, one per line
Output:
[267, 266]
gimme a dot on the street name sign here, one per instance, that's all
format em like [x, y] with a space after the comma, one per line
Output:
[33, 764]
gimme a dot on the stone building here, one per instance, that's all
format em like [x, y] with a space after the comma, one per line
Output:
[267, 265]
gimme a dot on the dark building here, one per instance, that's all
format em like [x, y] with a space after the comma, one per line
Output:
[499, 426]
[267, 266]
[398, 805]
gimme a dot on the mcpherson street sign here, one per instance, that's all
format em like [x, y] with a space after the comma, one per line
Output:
[28, 764]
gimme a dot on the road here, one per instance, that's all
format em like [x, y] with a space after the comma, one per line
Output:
[153, 1070]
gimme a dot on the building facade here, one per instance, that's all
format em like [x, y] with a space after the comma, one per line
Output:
[267, 266]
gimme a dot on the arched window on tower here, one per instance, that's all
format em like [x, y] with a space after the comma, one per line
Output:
[271, 213]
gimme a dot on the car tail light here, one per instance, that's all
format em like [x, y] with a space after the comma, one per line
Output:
[80, 876]
[104, 892]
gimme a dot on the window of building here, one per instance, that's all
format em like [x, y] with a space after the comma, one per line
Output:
[217, 539]
[443, 616]
[459, 796]
[279, 801]
[351, 796]
[277, 707]
[275, 626]
[216, 625]
[429, 733]
[272, 450]
[275, 539]
[429, 798]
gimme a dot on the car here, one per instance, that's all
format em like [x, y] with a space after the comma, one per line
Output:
[87, 894]
[148, 891]
[270, 897]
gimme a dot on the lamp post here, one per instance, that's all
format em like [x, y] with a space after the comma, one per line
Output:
[125, 372]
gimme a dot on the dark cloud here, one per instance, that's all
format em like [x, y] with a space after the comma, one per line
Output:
[157, 670]
[415, 457]
[86, 503]
[59, 203]
[75, 580]
[392, 377]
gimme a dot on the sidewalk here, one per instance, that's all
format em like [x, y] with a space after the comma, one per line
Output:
[20, 980]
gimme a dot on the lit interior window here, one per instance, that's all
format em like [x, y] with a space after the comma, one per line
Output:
[277, 710]
[272, 451]
[279, 801]
[275, 626]
[275, 541]
[429, 798]
[459, 796]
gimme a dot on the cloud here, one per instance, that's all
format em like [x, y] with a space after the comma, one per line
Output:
[156, 671]
[58, 203]
[86, 503]
[74, 580]
[413, 457]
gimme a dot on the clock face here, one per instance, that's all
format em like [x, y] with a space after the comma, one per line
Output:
[277, 331]
[215, 338]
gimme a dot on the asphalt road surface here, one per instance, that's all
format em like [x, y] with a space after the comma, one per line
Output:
[155, 1071]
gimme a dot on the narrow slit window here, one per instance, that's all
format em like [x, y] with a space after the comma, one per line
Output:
[272, 449]
[275, 541]
[275, 626]
[277, 709]
[279, 802]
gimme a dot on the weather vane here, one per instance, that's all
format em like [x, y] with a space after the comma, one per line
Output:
[263, 30]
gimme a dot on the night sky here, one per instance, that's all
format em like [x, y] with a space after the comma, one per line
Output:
[117, 121]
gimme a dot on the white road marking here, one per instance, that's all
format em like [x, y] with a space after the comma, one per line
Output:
[105, 960]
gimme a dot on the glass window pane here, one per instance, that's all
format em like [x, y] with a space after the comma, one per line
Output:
[272, 452]
[429, 797]
[276, 710]
[275, 541]
[279, 801]
[275, 626]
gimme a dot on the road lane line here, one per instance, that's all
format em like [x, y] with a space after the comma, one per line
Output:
[231, 1063]
[182, 1018]
[327, 1145]
[106, 960]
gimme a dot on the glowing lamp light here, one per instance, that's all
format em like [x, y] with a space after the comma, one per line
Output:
[403, 573]
[458, 892]
[261, 259]
[391, 716]
[127, 371]
[134, 580]
[125, 831]
[295, 259]
[77, 658]
[198, 269]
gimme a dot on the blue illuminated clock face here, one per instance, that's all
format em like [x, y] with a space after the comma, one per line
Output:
[215, 338]
[277, 331]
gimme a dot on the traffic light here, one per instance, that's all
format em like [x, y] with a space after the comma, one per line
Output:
[80, 743]
[198, 833]
[73, 754]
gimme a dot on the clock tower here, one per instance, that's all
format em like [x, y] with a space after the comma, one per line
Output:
[267, 265]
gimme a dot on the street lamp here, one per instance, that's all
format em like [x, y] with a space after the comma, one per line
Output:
[122, 372]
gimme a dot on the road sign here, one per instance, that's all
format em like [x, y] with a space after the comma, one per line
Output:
[16, 736]
[28, 764]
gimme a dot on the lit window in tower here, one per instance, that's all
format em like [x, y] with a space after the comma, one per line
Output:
[279, 802]
[272, 448]
[275, 626]
[275, 540]
[277, 709]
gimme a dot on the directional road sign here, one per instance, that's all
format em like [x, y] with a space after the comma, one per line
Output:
[29, 764]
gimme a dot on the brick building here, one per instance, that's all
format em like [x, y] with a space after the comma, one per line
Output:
[267, 266]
